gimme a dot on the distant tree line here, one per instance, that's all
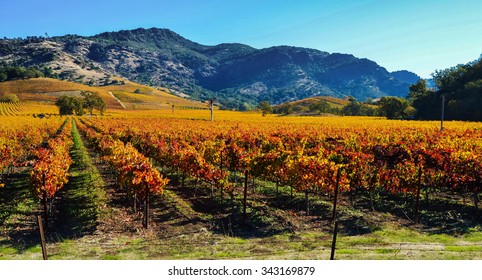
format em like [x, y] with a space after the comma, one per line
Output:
[390, 107]
[70, 105]
[461, 87]
[9, 73]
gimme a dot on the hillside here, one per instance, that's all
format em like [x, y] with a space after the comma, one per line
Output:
[238, 75]
[332, 101]
[141, 97]
[406, 76]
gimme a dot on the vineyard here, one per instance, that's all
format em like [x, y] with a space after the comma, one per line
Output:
[174, 185]
[26, 109]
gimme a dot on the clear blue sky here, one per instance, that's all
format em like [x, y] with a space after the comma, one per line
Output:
[419, 36]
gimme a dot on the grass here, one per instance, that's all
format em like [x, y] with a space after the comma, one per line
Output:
[464, 248]
[210, 246]
[17, 206]
[83, 197]
[76, 213]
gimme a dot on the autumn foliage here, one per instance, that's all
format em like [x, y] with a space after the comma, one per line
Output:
[51, 164]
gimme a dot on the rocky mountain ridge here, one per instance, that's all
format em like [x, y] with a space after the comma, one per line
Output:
[237, 75]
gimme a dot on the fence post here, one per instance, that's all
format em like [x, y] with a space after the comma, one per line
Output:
[245, 195]
[42, 236]
[333, 243]
[334, 218]
[146, 211]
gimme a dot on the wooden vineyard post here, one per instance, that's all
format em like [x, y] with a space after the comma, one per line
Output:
[42, 237]
[335, 199]
[221, 190]
[476, 200]
[135, 204]
[212, 189]
[46, 213]
[333, 243]
[334, 217]
[146, 211]
[245, 195]
[291, 194]
[371, 189]
[254, 185]
[417, 198]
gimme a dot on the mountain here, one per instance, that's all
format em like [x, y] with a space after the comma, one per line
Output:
[406, 76]
[237, 75]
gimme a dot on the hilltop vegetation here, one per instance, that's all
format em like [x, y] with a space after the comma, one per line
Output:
[388, 106]
[461, 87]
[237, 75]
[9, 73]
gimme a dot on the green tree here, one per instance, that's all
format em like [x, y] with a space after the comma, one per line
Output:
[321, 106]
[68, 105]
[92, 100]
[418, 90]
[285, 109]
[353, 108]
[393, 107]
[461, 88]
[265, 107]
[367, 110]
[32, 73]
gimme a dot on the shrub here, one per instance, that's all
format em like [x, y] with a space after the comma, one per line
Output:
[10, 97]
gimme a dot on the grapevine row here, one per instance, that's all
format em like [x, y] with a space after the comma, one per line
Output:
[18, 138]
[50, 167]
[133, 169]
[306, 157]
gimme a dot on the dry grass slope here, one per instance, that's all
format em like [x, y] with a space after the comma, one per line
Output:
[335, 102]
[48, 90]
[136, 96]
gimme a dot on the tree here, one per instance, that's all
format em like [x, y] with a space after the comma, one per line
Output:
[461, 88]
[285, 109]
[321, 106]
[418, 90]
[265, 107]
[32, 73]
[68, 105]
[367, 110]
[92, 100]
[393, 107]
[353, 108]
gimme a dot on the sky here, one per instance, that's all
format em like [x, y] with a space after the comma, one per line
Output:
[415, 35]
